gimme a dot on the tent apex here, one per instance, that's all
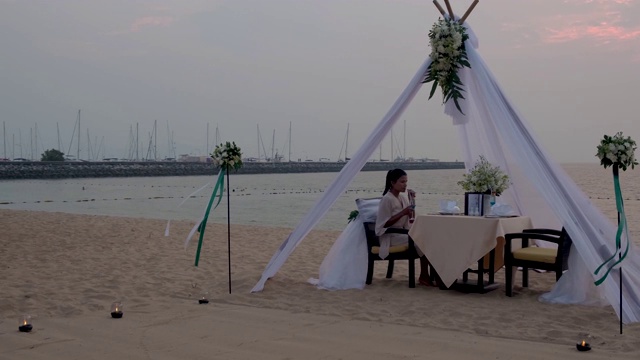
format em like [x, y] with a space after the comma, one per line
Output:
[450, 10]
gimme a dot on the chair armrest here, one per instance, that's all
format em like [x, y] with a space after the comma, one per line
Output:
[396, 231]
[553, 232]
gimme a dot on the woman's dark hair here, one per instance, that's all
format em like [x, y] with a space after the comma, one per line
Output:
[392, 176]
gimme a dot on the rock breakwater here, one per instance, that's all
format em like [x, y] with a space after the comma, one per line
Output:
[64, 170]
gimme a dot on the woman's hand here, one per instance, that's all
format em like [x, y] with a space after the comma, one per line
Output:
[408, 210]
[411, 193]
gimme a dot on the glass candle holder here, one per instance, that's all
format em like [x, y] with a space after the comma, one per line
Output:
[116, 310]
[583, 345]
[204, 299]
[25, 324]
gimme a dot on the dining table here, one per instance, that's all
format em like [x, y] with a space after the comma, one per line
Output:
[452, 243]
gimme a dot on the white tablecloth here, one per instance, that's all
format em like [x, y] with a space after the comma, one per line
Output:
[452, 243]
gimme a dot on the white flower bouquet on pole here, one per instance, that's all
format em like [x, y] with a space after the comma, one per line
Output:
[226, 156]
[618, 152]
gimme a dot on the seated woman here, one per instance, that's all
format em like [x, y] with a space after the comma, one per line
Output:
[394, 211]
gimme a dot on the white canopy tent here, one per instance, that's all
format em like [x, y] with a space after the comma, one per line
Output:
[492, 127]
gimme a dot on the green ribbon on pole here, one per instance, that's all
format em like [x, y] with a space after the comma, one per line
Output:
[218, 190]
[622, 226]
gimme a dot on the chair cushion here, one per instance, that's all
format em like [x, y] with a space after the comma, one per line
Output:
[392, 250]
[537, 254]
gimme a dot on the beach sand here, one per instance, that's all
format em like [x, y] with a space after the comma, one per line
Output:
[65, 270]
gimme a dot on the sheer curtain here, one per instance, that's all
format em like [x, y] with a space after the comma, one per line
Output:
[541, 189]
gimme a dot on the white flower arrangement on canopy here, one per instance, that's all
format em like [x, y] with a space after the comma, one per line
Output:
[448, 55]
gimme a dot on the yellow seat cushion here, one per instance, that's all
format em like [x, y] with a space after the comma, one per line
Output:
[393, 249]
[536, 254]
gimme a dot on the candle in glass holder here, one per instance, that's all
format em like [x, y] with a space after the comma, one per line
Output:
[583, 346]
[25, 324]
[116, 310]
[203, 299]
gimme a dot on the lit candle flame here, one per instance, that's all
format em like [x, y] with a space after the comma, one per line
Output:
[24, 321]
[583, 343]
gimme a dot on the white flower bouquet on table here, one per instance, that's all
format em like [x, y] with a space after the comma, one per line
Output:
[227, 156]
[448, 55]
[617, 150]
[484, 177]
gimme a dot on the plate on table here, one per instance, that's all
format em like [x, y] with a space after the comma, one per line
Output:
[500, 216]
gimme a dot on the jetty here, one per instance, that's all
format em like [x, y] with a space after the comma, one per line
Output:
[98, 169]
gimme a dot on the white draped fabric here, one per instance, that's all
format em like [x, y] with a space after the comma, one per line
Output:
[492, 127]
[345, 266]
[348, 172]
[541, 189]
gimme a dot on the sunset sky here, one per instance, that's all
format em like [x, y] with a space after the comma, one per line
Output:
[569, 66]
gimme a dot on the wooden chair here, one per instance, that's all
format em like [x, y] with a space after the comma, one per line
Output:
[401, 252]
[535, 257]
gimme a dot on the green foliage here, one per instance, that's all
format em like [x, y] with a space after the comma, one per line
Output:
[52, 155]
[353, 215]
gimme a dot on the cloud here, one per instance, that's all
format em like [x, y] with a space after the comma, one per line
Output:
[605, 21]
[151, 21]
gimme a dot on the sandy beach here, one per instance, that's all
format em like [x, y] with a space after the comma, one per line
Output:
[65, 270]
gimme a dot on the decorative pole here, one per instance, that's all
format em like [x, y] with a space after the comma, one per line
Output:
[227, 156]
[619, 153]
[229, 227]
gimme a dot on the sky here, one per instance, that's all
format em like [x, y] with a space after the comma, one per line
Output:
[312, 66]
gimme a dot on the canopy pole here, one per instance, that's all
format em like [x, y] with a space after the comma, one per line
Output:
[466, 14]
[437, 4]
[446, 2]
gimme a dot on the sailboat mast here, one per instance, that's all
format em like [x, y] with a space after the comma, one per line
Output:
[346, 145]
[207, 138]
[137, 145]
[89, 152]
[273, 144]
[78, 134]
[258, 127]
[4, 138]
[391, 146]
[155, 140]
[30, 143]
[404, 141]
[289, 141]
[169, 141]
[35, 135]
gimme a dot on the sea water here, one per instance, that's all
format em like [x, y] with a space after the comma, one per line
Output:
[276, 200]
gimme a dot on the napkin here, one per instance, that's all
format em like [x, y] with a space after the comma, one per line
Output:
[449, 206]
[501, 209]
